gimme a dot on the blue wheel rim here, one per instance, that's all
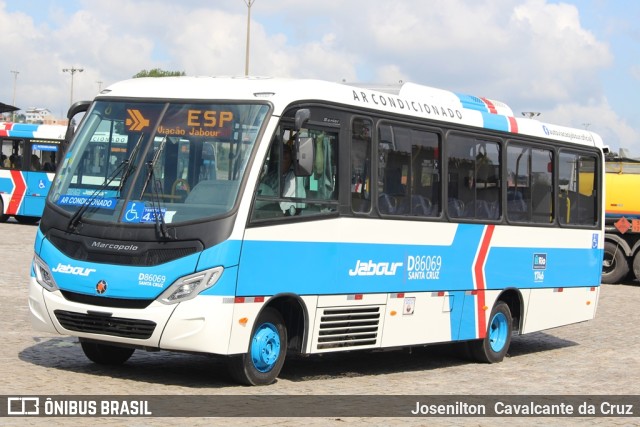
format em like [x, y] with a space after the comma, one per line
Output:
[498, 332]
[265, 347]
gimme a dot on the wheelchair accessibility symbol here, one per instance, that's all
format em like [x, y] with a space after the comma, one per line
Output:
[41, 184]
[134, 212]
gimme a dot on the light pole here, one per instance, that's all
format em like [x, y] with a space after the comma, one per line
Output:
[72, 71]
[249, 3]
[15, 83]
[99, 85]
[530, 114]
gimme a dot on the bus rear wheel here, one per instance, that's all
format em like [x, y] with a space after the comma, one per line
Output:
[105, 354]
[495, 345]
[614, 263]
[261, 365]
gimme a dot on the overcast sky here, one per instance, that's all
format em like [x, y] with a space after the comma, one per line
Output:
[577, 61]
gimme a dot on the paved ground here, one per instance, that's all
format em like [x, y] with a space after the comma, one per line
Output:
[599, 357]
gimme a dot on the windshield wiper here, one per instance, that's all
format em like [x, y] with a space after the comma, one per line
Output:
[158, 215]
[77, 216]
[130, 163]
[126, 167]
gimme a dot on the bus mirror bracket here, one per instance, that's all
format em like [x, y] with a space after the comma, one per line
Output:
[302, 117]
[75, 109]
[78, 107]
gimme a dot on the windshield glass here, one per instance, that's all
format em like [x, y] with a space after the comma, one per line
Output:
[132, 162]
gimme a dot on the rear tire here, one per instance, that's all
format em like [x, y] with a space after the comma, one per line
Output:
[262, 363]
[495, 345]
[614, 263]
[105, 354]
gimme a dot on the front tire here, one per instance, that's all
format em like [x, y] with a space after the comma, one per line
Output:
[104, 354]
[495, 345]
[262, 363]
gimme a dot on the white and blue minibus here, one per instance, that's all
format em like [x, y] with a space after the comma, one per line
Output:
[258, 217]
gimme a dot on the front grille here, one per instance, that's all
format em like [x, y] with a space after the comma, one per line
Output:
[78, 250]
[349, 327]
[106, 325]
[101, 301]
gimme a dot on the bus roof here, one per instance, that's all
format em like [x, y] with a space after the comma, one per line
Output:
[409, 99]
[30, 130]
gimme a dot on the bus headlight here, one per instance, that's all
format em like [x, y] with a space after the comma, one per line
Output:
[43, 274]
[188, 287]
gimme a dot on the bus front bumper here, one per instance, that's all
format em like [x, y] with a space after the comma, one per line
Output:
[202, 324]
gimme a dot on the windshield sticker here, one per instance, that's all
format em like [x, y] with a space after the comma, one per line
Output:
[139, 212]
[74, 200]
[134, 212]
[88, 192]
[149, 214]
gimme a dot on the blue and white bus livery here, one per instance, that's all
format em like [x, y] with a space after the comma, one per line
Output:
[408, 217]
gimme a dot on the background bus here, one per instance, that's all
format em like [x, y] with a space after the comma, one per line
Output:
[405, 218]
[30, 155]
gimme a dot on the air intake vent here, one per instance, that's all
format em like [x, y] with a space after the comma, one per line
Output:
[349, 327]
[96, 324]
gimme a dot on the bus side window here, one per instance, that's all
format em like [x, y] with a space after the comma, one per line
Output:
[13, 150]
[281, 194]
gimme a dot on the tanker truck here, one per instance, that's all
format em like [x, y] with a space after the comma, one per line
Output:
[622, 219]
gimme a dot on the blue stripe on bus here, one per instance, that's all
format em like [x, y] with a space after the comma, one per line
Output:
[6, 185]
[495, 121]
[472, 102]
[312, 268]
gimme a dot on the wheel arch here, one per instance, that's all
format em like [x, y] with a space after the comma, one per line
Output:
[618, 240]
[513, 298]
[295, 315]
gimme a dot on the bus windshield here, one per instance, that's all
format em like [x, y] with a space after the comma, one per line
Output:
[136, 162]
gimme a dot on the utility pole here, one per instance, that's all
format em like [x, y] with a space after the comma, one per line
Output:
[249, 3]
[15, 83]
[72, 71]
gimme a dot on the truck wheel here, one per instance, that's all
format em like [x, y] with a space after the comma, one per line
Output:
[636, 265]
[261, 365]
[614, 263]
[495, 345]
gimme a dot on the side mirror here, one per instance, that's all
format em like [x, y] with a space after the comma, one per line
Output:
[304, 156]
[302, 116]
[77, 108]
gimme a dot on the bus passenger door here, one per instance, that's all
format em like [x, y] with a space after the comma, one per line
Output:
[38, 172]
[12, 181]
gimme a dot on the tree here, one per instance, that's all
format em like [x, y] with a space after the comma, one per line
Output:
[157, 72]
